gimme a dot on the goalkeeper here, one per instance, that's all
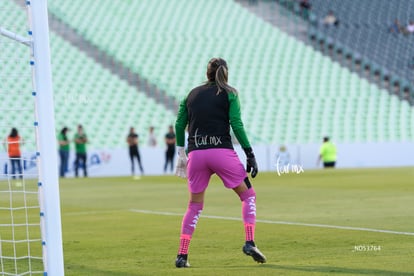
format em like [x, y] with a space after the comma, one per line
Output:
[209, 110]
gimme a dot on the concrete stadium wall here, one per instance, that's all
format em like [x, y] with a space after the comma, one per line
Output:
[115, 162]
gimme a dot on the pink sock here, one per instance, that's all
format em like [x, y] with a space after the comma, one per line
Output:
[248, 199]
[184, 244]
[189, 224]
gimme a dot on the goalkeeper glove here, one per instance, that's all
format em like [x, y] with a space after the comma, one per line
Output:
[181, 167]
[251, 164]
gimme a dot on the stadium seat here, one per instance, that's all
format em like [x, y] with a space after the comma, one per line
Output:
[289, 92]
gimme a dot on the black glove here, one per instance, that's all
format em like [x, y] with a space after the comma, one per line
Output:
[251, 164]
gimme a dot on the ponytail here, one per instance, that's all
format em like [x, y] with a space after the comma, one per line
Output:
[217, 71]
[221, 80]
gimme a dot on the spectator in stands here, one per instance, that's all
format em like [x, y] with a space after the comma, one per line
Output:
[330, 19]
[152, 140]
[408, 95]
[170, 153]
[64, 146]
[327, 153]
[395, 27]
[410, 27]
[305, 7]
[80, 149]
[132, 140]
[13, 143]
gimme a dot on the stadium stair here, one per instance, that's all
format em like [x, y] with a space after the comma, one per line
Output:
[290, 93]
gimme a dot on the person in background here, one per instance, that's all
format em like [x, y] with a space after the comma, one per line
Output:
[64, 146]
[330, 19]
[305, 7]
[80, 148]
[283, 156]
[396, 27]
[170, 152]
[327, 153]
[209, 111]
[132, 141]
[410, 27]
[152, 140]
[13, 143]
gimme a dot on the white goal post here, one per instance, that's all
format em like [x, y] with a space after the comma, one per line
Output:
[44, 126]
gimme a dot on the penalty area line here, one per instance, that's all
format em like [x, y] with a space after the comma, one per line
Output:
[281, 222]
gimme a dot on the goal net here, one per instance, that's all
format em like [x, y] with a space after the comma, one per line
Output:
[30, 231]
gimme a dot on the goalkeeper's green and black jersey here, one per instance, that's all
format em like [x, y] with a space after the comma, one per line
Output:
[209, 116]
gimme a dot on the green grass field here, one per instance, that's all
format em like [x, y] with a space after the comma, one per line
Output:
[122, 226]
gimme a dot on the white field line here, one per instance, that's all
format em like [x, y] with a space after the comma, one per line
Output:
[281, 222]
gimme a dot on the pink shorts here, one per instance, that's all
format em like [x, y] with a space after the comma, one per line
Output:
[223, 162]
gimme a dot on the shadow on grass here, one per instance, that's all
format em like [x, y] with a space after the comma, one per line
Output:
[334, 269]
[80, 270]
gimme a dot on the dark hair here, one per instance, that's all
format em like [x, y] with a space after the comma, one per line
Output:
[14, 132]
[326, 139]
[63, 132]
[217, 71]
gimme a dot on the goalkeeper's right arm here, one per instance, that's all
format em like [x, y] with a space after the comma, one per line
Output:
[236, 121]
[181, 167]
[181, 123]
[238, 129]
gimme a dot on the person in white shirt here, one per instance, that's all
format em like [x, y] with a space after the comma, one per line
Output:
[152, 140]
[410, 27]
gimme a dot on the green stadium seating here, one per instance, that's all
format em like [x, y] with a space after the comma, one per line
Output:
[289, 92]
[84, 93]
